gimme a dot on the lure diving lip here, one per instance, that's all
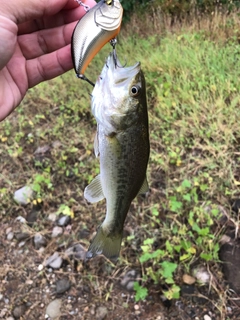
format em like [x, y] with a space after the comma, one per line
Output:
[97, 27]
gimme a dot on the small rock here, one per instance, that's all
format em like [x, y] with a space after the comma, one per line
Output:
[187, 289]
[101, 313]
[52, 217]
[21, 244]
[19, 311]
[56, 231]
[56, 144]
[10, 318]
[202, 275]
[23, 195]
[54, 261]
[188, 279]
[42, 150]
[8, 230]
[41, 250]
[63, 221]
[93, 310]
[224, 239]
[32, 217]
[53, 310]
[40, 267]
[84, 234]
[21, 219]
[63, 285]
[3, 312]
[39, 241]
[10, 236]
[20, 236]
[77, 251]
[129, 278]
[206, 317]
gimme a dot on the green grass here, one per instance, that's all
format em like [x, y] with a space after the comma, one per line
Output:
[194, 112]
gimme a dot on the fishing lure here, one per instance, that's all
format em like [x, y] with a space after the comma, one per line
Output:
[101, 24]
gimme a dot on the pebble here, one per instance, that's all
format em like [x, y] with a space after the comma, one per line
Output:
[41, 250]
[101, 313]
[20, 236]
[224, 239]
[63, 285]
[21, 244]
[52, 217]
[10, 236]
[54, 261]
[42, 150]
[40, 267]
[32, 217]
[202, 275]
[93, 310]
[29, 282]
[19, 311]
[21, 219]
[187, 289]
[39, 241]
[10, 318]
[129, 278]
[63, 221]
[23, 195]
[206, 317]
[188, 279]
[56, 144]
[8, 230]
[53, 310]
[57, 231]
[77, 251]
[3, 312]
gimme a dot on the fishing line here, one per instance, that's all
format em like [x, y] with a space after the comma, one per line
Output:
[85, 6]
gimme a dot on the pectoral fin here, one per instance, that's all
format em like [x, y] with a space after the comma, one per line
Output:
[145, 187]
[93, 192]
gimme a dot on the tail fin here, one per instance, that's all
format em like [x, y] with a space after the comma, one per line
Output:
[107, 244]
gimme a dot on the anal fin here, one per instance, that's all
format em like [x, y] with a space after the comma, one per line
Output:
[145, 187]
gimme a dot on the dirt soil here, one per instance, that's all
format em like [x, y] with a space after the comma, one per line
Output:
[92, 289]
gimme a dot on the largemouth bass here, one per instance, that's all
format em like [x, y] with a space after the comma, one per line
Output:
[97, 27]
[122, 143]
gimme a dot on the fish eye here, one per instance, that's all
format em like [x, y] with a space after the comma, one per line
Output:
[135, 90]
[108, 2]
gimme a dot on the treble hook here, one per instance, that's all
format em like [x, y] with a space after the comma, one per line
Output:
[113, 43]
[85, 6]
[81, 76]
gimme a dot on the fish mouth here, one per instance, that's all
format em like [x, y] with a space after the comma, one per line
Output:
[121, 74]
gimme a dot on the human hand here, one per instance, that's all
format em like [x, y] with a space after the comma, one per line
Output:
[35, 38]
